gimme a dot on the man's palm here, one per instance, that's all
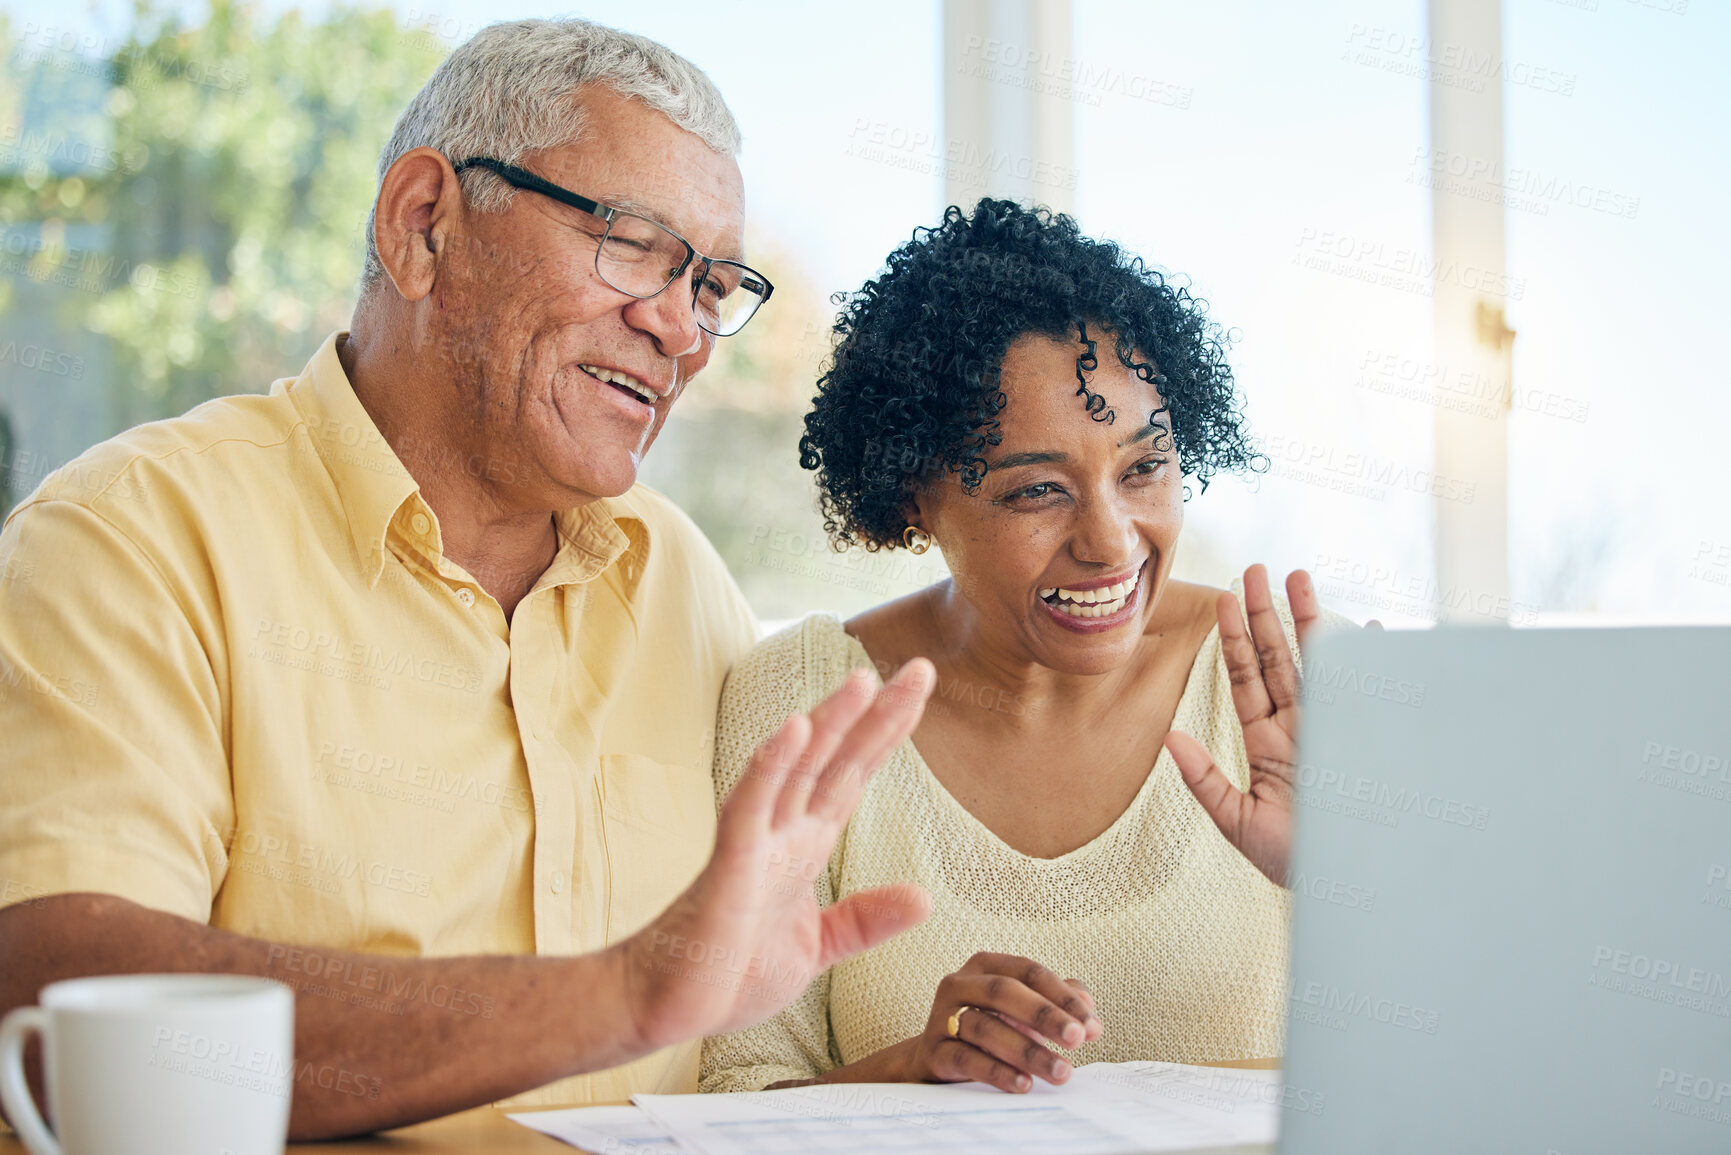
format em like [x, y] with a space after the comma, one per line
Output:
[747, 937]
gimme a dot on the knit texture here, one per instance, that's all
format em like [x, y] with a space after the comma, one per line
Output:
[1182, 942]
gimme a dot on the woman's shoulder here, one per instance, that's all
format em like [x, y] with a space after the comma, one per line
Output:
[783, 674]
[796, 665]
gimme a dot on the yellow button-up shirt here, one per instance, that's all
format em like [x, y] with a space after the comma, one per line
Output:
[240, 682]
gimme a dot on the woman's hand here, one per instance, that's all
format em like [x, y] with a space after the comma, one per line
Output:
[1018, 1006]
[1265, 691]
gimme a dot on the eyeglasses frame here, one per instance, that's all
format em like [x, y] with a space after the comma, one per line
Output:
[524, 179]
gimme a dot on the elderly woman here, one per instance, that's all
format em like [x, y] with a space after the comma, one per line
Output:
[1033, 401]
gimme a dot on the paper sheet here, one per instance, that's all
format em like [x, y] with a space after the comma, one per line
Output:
[1105, 1109]
[604, 1130]
[1116, 1108]
[1242, 1106]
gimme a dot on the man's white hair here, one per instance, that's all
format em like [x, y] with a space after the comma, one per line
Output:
[508, 91]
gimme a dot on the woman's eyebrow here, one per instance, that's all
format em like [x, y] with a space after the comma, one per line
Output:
[1051, 456]
[1146, 431]
[1037, 457]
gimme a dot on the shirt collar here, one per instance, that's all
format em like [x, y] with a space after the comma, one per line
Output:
[375, 490]
[371, 483]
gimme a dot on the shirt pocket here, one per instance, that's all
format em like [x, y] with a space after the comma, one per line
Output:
[658, 824]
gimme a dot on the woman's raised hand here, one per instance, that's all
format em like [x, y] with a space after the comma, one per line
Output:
[1265, 691]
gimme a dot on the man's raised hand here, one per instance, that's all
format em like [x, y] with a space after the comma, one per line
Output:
[747, 936]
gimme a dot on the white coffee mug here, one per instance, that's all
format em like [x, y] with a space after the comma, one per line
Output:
[155, 1065]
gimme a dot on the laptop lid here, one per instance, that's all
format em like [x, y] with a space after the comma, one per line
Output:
[1512, 894]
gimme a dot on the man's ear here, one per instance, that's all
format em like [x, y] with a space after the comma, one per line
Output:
[419, 202]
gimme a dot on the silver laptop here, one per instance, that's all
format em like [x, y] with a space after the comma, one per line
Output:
[1512, 894]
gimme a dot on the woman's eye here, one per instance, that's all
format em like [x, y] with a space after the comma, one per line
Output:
[1034, 492]
[1147, 466]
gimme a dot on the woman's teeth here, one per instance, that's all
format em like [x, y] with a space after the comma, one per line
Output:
[1095, 603]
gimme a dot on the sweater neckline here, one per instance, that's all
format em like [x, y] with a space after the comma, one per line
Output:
[1120, 827]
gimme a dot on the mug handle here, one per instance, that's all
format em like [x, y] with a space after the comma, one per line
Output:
[14, 1092]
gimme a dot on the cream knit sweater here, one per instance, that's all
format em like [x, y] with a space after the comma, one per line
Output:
[1181, 940]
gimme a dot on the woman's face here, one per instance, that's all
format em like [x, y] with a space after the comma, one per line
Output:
[1064, 547]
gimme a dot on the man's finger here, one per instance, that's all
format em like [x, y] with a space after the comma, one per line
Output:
[891, 718]
[1273, 652]
[756, 793]
[866, 918]
[831, 720]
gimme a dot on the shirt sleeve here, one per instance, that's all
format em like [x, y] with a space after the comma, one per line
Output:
[761, 692]
[114, 770]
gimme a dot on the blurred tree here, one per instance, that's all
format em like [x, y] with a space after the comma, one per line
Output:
[233, 181]
[197, 198]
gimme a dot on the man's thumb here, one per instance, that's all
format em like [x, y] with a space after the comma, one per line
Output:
[864, 919]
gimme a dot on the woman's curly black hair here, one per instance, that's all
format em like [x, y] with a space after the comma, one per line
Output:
[912, 387]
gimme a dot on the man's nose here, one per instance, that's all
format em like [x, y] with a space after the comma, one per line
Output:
[668, 317]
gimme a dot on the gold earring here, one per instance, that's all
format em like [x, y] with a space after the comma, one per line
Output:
[916, 539]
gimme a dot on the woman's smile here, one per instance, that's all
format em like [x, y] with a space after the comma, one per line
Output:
[1095, 605]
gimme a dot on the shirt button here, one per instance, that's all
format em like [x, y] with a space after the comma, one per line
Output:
[466, 596]
[420, 524]
[558, 882]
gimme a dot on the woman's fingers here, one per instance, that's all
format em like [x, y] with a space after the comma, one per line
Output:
[1306, 609]
[1273, 653]
[956, 1061]
[1012, 1048]
[1243, 667]
[1223, 801]
[1022, 990]
[1007, 1010]
[1258, 823]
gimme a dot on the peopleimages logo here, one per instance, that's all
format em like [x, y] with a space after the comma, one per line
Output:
[1330, 1006]
[1333, 890]
[1695, 980]
[42, 359]
[1705, 1097]
[1689, 771]
[1322, 679]
[1359, 797]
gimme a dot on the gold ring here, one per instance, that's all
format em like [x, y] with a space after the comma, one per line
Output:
[955, 1030]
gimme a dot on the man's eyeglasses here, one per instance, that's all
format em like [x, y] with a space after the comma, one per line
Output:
[640, 258]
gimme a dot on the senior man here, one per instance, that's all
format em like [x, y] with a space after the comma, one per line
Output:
[393, 685]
